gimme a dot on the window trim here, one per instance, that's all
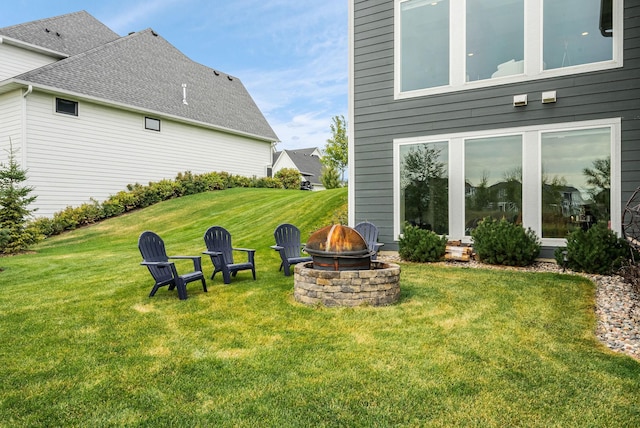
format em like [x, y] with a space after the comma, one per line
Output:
[66, 113]
[533, 69]
[531, 173]
[148, 128]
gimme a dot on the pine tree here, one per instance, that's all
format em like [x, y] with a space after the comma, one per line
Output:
[14, 207]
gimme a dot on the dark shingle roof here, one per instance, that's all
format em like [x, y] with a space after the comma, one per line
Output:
[306, 163]
[70, 34]
[144, 71]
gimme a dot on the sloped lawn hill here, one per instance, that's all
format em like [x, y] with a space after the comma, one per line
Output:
[83, 345]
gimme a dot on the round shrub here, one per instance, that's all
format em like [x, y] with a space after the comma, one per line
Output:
[289, 177]
[499, 242]
[597, 250]
[421, 245]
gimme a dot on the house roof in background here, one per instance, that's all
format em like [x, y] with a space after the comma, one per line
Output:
[305, 161]
[144, 71]
[71, 34]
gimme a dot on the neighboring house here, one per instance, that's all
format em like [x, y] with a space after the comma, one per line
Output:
[306, 161]
[89, 112]
[456, 93]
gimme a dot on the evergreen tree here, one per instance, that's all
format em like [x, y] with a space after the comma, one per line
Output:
[330, 177]
[14, 206]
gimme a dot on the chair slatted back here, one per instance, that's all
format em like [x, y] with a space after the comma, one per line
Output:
[288, 237]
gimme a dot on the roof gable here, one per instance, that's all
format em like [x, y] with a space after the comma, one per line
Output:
[70, 34]
[143, 70]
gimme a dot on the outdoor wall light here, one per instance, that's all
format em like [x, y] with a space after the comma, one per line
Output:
[548, 97]
[520, 100]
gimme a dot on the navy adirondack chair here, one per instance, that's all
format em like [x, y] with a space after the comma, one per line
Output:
[219, 248]
[289, 246]
[369, 232]
[164, 272]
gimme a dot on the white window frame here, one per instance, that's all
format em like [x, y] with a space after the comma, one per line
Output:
[531, 174]
[533, 67]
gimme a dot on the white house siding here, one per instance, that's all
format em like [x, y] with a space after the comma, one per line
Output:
[10, 123]
[14, 61]
[96, 154]
[284, 161]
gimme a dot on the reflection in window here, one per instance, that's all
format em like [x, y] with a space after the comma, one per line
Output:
[424, 44]
[424, 186]
[572, 35]
[493, 180]
[495, 38]
[576, 180]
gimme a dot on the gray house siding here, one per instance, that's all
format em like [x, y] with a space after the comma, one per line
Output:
[377, 119]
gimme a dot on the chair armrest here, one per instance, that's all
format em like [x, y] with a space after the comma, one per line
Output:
[277, 247]
[158, 264]
[197, 261]
[248, 250]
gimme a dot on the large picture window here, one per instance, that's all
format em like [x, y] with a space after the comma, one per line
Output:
[550, 178]
[493, 179]
[424, 186]
[450, 45]
[576, 180]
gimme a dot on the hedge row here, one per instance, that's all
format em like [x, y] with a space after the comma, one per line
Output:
[139, 196]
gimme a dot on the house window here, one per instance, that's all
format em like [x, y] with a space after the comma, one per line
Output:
[494, 39]
[152, 124]
[571, 33]
[66, 107]
[425, 44]
[493, 179]
[424, 186]
[451, 45]
[576, 190]
[550, 178]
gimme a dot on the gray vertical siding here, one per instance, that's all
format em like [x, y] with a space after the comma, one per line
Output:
[378, 118]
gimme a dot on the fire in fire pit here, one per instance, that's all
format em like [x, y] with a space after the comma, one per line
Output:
[338, 248]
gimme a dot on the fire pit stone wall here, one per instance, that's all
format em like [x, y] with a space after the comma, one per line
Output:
[378, 286]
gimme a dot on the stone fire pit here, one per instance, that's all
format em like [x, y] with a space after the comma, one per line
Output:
[377, 286]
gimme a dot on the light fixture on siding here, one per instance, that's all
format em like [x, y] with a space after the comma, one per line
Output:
[548, 97]
[184, 94]
[520, 100]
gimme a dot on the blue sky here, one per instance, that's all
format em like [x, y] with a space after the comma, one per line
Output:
[291, 55]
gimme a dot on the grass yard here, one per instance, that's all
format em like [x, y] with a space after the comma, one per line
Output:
[83, 345]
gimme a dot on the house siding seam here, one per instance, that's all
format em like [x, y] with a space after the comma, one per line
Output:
[378, 119]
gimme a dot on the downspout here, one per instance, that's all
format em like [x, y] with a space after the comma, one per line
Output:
[23, 137]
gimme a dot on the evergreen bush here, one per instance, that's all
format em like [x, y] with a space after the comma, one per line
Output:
[596, 250]
[289, 177]
[499, 242]
[420, 245]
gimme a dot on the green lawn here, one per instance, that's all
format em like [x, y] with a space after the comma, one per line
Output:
[83, 345]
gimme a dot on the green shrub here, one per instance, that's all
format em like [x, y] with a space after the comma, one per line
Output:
[289, 177]
[597, 250]
[268, 183]
[499, 242]
[420, 245]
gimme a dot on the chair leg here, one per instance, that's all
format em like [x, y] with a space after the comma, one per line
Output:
[153, 290]
[287, 270]
[204, 284]
[182, 289]
[253, 271]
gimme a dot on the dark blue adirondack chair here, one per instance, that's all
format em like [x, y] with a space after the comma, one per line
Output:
[289, 246]
[164, 272]
[369, 232]
[219, 248]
